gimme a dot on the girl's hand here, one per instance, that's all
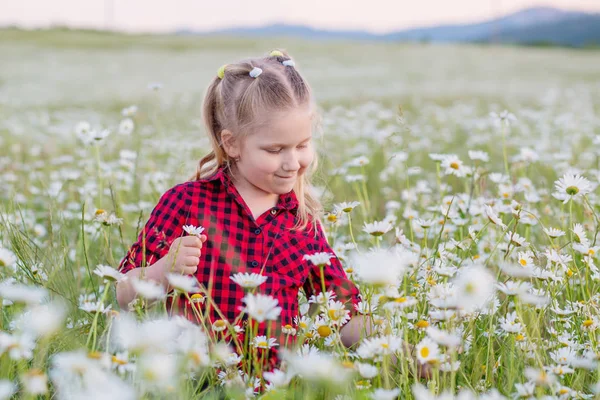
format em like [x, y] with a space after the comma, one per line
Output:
[184, 254]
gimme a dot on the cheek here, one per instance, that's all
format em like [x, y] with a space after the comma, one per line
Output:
[306, 158]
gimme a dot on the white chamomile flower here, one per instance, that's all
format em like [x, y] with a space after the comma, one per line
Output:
[504, 117]
[108, 273]
[345, 207]
[385, 394]
[248, 280]
[320, 259]
[580, 235]
[377, 228]
[148, 289]
[572, 186]
[129, 111]
[554, 233]
[515, 239]
[367, 371]
[261, 307]
[474, 288]
[262, 342]
[193, 230]
[454, 166]
[126, 127]
[183, 283]
[493, 217]
[479, 155]
[428, 351]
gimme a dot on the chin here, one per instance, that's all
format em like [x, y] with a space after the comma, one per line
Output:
[283, 189]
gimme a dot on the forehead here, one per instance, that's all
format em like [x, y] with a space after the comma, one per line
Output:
[286, 127]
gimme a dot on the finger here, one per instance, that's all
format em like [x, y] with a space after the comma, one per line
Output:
[203, 238]
[191, 261]
[192, 241]
[192, 251]
[189, 270]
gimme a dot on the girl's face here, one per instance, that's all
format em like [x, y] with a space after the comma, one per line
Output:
[273, 159]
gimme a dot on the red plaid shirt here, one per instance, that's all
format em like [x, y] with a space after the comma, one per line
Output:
[238, 243]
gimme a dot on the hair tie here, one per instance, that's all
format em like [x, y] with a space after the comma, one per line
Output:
[255, 72]
[276, 53]
[289, 63]
[221, 71]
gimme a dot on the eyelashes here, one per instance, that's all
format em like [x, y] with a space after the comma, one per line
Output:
[271, 151]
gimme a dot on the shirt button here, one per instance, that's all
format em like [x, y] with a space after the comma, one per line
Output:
[274, 211]
[257, 231]
[254, 263]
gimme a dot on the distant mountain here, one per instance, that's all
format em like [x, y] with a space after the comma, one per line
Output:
[538, 25]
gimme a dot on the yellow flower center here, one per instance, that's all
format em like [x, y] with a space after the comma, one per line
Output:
[588, 322]
[324, 331]
[99, 211]
[220, 324]
[197, 297]
[400, 300]
[523, 262]
[572, 190]
[422, 324]
[262, 344]
[118, 360]
[519, 338]
[425, 352]
[96, 355]
[454, 165]
[332, 218]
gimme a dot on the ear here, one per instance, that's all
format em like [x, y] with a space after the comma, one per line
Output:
[230, 144]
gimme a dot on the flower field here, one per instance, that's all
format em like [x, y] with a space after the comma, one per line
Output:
[460, 192]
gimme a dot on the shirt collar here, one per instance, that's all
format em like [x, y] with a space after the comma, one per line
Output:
[287, 201]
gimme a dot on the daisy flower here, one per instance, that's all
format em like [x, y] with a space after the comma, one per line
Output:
[572, 186]
[261, 307]
[193, 230]
[377, 228]
[262, 342]
[474, 288]
[443, 338]
[380, 267]
[183, 283]
[148, 289]
[454, 166]
[504, 117]
[320, 259]
[219, 325]
[479, 155]
[385, 394]
[554, 233]
[580, 235]
[109, 273]
[248, 281]
[493, 217]
[516, 239]
[367, 371]
[35, 382]
[428, 351]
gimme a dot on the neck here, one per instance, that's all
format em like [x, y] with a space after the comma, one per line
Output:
[252, 195]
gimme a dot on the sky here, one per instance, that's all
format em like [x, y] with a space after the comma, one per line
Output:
[376, 16]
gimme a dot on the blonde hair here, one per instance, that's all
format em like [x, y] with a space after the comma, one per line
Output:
[239, 103]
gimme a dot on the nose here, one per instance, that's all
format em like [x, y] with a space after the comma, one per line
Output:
[291, 163]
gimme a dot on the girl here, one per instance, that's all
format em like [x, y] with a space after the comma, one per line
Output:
[252, 195]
